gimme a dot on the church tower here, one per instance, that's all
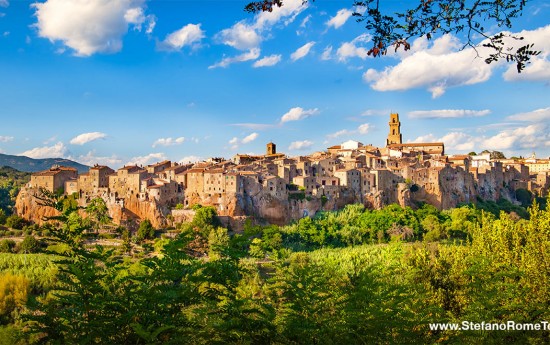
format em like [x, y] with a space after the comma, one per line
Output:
[271, 149]
[395, 130]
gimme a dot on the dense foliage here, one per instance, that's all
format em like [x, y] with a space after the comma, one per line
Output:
[355, 276]
[11, 180]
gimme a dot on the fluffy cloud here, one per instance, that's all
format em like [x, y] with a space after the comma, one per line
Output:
[235, 142]
[529, 137]
[87, 137]
[249, 138]
[247, 35]
[240, 36]
[5, 139]
[339, 19]
[538, 115]
[338, 134]
[4, 3]
[56, 151]
[302, 51]
[352, 49]
[364, 128]
[442, 63]
[88, 26]
[252, 54]
[254, 126]
[436, 68]
[169, 141]
[516, 140]
[186, 36]
[447, 113]
[539, 68]
[298, 113]
[268, 61]
[300, 145]
[90, 159]
[145, 160]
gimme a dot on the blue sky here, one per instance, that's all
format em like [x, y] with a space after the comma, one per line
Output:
[121, 81]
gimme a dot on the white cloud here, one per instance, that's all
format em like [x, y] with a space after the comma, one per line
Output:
[5, 139]
[249, 138]
[252, 54]
[169, 141]
[235, 142]
[268, 61]
[298, 113]
[515, 139]
[327, 53]
[4, 3]
[240, 36]
[300, 145]
[302, 51]
[145, 160]
[539, 68]
[441, 64]
[56, 151]
[538, 115]
[90, 159]
[190, 159]
[339, 19]
[87, 137]
[88, 26]
[188, 35]
[436, 68]
[137, 17]
[351, 49]
[364, 128]
[447, 113]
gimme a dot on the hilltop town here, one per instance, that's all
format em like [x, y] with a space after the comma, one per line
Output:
[276, 188]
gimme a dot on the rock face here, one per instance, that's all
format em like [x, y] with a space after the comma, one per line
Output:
[131, 210]
[29, 207]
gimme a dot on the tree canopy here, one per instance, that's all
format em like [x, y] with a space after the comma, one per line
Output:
[427, 18]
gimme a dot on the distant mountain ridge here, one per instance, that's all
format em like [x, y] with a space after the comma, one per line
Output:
[23, 163]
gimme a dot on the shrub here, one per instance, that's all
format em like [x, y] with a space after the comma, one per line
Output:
[6, 246]
[15, 222]
[29, 245]
[145, 231]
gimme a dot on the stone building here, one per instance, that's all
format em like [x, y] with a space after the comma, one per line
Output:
[54, 178]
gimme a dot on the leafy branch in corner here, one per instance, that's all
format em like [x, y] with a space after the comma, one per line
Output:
[437, 17]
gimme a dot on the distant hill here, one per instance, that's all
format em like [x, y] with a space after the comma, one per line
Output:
[27, 164]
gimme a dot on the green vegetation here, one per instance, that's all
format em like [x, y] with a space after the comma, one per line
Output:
[355, 276]
[11, 180]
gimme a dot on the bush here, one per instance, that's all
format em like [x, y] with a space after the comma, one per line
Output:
[15, 222]
[6, 246]
[145, 231]
[29, 245]
[179, 206]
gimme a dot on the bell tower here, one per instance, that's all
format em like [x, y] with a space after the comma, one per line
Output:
[394, 137]
[271, 149]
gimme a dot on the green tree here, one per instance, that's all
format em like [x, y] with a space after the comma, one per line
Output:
[2, 217]
[98, 212]
[146, 231]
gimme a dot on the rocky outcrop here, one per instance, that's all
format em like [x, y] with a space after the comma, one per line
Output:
[30, 208]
